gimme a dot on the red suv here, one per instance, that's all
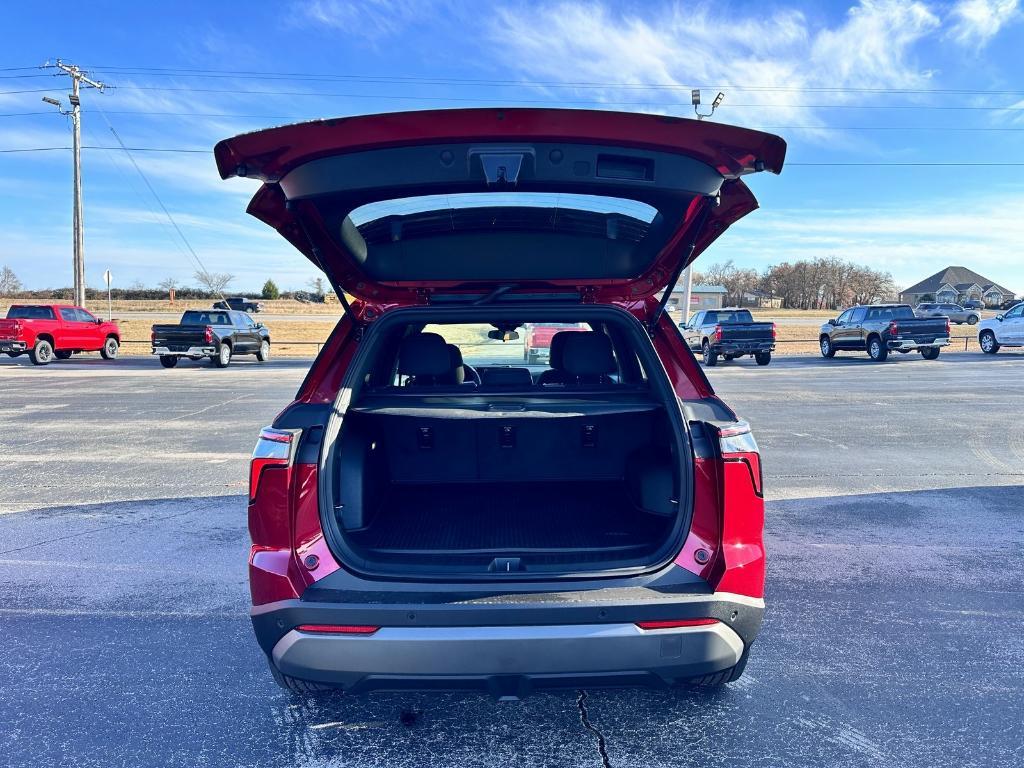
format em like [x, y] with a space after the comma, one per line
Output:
[46, 331]
[425, 514]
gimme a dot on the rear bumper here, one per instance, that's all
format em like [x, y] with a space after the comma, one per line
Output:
[11, 345]
[190, 352]
[743, 347]
[472, 650]
[912, 344]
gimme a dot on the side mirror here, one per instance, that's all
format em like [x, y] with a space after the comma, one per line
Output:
[833, 321]
[999, 318]
[259, 325]
[99, 321]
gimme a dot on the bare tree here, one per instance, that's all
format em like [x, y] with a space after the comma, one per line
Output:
[214, 282]
[169, 284]
[9, 282]
[316, 284]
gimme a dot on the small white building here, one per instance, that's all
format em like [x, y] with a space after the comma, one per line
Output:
[701, 297]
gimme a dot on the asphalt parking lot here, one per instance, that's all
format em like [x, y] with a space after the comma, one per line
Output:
[893, 634]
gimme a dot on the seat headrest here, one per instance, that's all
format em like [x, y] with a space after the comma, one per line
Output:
[555, 351]
[587, 353]
[506, 377]
[425, 354]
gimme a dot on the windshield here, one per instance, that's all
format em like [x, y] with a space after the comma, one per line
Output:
[30, 313]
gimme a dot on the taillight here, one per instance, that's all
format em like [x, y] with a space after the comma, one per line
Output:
[718, 333]
[152, 336]
[273, 449]
[208, 335]
[737, 443]
[947, 326]
[773, 331]
[338, 629]
[894, 328]
[675, 623]
[737, 438]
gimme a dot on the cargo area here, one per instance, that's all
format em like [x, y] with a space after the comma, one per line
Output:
[506, 485]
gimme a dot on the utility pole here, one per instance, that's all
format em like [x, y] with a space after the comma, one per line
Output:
[687, 291]
[78, 76]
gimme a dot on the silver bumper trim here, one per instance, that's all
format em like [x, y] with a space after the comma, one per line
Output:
[911, 344]
[200, 351]
[480, 653]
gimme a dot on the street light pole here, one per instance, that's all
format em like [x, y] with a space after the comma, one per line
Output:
[78, 226]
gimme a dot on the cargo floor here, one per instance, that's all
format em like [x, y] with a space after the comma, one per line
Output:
[511, 518]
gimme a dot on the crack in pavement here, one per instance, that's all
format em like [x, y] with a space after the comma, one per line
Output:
[602, 746]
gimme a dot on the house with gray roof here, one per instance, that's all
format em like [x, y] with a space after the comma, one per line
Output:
[955, 285]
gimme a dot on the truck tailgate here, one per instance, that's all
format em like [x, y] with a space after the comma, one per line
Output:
[178, 338]
[747, 332]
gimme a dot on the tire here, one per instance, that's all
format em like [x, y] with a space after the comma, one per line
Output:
[62, 354]
[827, 350]
[223, 357]
[972, 320]
[168, 361]
[110, 348]
[931, 353]
[877, 350]
[988, 342]
[763, 358]
[297, 686]
[263, 354]
[41, 353]
[710, 356]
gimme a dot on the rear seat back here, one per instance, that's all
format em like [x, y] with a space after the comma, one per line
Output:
[426, 448]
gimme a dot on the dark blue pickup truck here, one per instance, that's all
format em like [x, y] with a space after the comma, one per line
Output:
[730, 333]
[217, 334]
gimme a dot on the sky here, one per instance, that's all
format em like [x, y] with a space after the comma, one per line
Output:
[904, 120]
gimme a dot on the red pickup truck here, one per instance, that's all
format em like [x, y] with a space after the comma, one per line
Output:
[46, 331]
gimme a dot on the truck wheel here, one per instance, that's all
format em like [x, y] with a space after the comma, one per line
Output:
[41, 353]
[877, 350]
[223, 358]
[763, 358]
[988, 342]
[264, 353]
[110, 348]
[827, 350]
[710, 356]
[931, 353]
[168, 361]
[62, 354]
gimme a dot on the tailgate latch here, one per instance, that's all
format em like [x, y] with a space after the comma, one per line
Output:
[501, 170]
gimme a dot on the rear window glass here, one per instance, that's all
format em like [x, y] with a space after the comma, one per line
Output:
[890, 313]
[205, 318]
[29, 313]
[738, 316]
[483, 357]
[593, 203]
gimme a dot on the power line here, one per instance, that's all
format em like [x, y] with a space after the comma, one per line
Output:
[862, 164]
[195, 256]
[308, 117]
[324, 76]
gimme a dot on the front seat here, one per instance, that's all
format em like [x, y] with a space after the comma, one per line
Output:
[425, 359]
[556, 374]
[460, 373]
[587, 359]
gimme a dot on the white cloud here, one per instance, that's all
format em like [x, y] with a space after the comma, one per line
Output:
[780, 51]
[976, 22]
[370, 19]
